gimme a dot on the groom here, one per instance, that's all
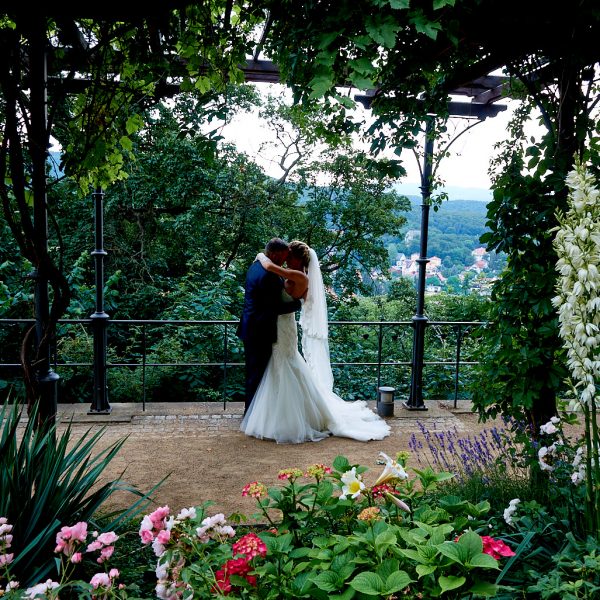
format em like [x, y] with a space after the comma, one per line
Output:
[263, 303]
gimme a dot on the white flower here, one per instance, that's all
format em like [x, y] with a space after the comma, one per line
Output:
[392, 470]
[187, 513]
[353, 485]
[548, 428]
[542, 453]
[399, 503]
[41, 588]
[577, 245]
[146, 524]
[158, 548]
[510, 510]
[162, 570]
[578, 457]
[218, 519]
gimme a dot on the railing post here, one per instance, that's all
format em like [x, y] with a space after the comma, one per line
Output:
[99, 319]
[225, 351]
[458, 343]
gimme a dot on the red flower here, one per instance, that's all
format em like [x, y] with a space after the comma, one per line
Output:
[223, 583]
[495, 548]
[250, 545]
[237, 566]
[379, 491]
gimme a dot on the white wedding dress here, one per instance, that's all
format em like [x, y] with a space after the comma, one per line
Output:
[295, 402]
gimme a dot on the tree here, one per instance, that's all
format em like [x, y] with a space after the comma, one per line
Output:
[414, 54]
[110, 69]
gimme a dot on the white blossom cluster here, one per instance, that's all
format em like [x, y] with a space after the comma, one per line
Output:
[511, 510]
[578, 475]
[577, 244]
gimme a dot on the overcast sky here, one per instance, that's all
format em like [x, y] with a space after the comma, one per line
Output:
[467, 167]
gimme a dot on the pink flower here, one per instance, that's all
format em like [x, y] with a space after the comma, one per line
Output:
[379, 491]
[318, 470]
[100, 579]
[6, 559]
[105, 554]
[108, 538]
[289, 474]
[146, 535]
[158, 516]
[495, 548]
[77, 557]
[254, 489]
[163, 536]
[95, 545]
[250, 545]
[68, 537]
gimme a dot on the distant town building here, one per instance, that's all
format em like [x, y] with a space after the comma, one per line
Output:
[479, 253]
[409, 267]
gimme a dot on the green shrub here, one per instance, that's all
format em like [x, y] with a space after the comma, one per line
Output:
[49, 481]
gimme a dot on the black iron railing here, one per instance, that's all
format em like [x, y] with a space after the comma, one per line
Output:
[452, 359]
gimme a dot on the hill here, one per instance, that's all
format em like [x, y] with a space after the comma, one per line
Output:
[454, 232]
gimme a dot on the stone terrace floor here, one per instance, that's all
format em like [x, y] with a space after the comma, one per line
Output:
[199, 448]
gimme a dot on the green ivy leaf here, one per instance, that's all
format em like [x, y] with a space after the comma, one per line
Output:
[368, 583]
[424, 25]
[423, 570]
[126, 143]
[400, 4]
[437, 4]
[362, 65]
[327, 39]
[484, 588]
[484, 561]
[397, 581]
[382, 30]
[341, 464]
[327, 581]
[360, 82]
[451, 582]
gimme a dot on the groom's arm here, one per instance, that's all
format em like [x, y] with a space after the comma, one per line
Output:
[273, 292]
[288, 307]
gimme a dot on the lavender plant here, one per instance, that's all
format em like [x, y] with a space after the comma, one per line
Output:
[488, 464]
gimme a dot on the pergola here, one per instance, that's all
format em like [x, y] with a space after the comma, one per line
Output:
[48, 60]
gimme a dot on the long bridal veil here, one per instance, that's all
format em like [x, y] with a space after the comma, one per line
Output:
[351, 419]
[315, 328]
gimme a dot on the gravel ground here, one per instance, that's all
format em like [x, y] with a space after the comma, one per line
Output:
[205, 456]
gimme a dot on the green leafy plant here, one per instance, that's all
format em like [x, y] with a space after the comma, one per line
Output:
[576, 572]
[48, 480]
[332, 536]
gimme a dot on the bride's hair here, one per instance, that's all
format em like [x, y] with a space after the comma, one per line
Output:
[301, 251]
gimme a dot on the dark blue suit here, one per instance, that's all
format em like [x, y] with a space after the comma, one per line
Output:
[263, 303]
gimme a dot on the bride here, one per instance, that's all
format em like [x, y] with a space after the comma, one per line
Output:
[295, 401]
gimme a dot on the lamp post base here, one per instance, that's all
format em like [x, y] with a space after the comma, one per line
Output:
[409, 406]
[105, 411]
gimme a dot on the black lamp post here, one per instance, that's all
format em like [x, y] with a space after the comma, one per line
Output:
[100, 403]
[457, 109]
[415, 399]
